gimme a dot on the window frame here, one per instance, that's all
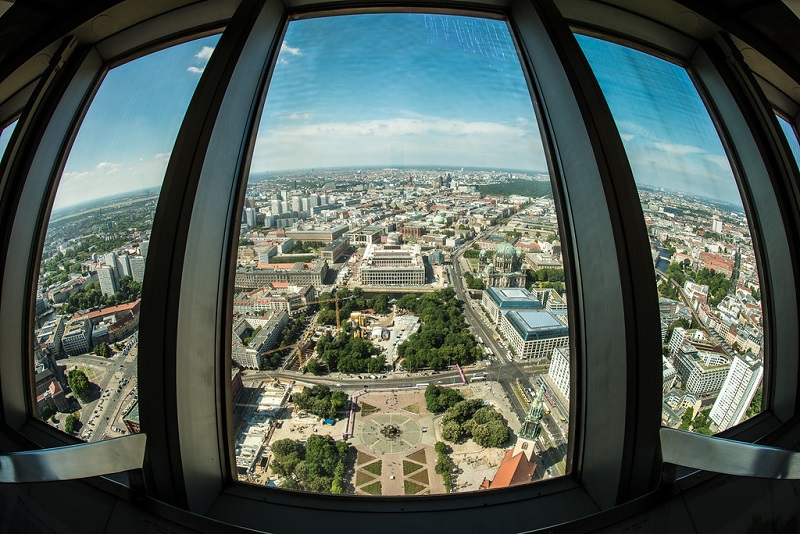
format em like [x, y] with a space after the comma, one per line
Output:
[184, 404]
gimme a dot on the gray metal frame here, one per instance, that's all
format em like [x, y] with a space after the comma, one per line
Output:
[184, 387]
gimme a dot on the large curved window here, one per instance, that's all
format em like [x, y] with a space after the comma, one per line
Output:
[400, 311]
[708, 285]
[362, 217]
[95, 250]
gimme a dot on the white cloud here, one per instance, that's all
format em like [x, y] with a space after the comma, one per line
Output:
[205, 53]
[106, 178]
[679, 150]
[720, 161]
[201, 58]
[399, 141]
[292, 51]
[627, 137]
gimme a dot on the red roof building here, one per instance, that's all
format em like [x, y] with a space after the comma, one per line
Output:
[514, 469]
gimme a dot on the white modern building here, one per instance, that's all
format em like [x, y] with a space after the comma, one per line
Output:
[534, 333]
[392, 265]
[500, 300]
[77, 336]
[741, 383]
[702, 372]
[559, 370]
[107, 277]
[263, 333]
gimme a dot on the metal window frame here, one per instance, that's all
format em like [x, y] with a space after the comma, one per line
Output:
[184, 402]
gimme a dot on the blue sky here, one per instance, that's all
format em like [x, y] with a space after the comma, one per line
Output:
[5, 137]
[665, 127]
[126, 138]
[791, 136]
[393, 90]
[400, 89]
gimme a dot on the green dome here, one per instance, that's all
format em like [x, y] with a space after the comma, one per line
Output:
[439, 220]
[505, 250]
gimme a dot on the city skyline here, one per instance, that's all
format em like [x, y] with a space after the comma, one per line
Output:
[434, 91]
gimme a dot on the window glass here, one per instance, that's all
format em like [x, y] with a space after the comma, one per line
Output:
[5, 136]
[708, 285]
[788, 131]
[400, 321]
[93, 261]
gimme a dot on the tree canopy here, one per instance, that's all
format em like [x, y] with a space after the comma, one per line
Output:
[439, 399]
[443, 338]
[90, 295]
[317, 466]
[469, 418]
[79, 384]
[718, 284]
[348, 354]
[321, 401]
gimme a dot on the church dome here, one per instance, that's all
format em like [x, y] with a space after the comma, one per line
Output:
[505, 250]
[439, 220]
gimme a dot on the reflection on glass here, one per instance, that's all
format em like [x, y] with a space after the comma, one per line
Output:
[709, 292]
[92, 267]
[5, 137]
[400, 320]
[788, 131]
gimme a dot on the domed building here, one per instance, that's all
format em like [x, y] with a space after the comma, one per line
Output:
[439, 220]
[505, 268]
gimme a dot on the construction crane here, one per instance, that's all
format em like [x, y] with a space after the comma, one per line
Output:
[301, 344]
[335, 300]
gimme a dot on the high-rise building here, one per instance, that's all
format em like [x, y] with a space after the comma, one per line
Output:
[738, 389]
[277, 208]
[250, 217]
[122, 265]
[144, 247]
[137, 268]
[559, 370]
[107, 277]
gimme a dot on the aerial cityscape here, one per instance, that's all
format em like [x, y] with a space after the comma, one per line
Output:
[400, 306]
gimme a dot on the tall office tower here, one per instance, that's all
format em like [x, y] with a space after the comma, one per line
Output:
[137, 268]
[323, 200]
[277, 209]
[744, 378]
[250, 216]
[716, 226]
[122, 265]
[250, 202]
[144, 247]
[286, 206]
[284, 195]
[108, 280]
[296, 206]
[110, 259]
[314, 200]
[304, 203]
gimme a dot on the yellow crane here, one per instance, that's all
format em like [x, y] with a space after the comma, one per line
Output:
[301, 344]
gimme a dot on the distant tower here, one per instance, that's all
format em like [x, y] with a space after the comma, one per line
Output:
[144, 247]
[532, 427]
